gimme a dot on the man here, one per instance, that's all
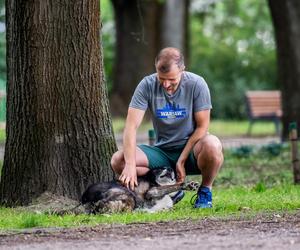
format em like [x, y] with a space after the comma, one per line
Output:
[180, 105]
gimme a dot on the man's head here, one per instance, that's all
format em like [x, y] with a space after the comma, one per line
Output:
[169, 65]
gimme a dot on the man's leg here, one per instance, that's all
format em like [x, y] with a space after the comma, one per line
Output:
[209, 155]
[118, 162]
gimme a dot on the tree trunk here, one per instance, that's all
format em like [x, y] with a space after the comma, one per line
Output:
[136, 46]
[286, 20]
[144, 27]
[174, 25]
[59, 133]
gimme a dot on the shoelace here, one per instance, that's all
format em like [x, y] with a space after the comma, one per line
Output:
[202, 198]
[193, 199]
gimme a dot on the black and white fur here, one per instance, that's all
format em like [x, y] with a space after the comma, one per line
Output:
[152, 194]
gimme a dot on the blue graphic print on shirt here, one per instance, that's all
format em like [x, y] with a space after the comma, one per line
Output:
[170, 112]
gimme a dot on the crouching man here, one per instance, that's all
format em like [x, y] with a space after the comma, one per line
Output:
[180, 105]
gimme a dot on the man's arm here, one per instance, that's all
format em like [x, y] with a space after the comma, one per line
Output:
[134, 118]
[202, 119]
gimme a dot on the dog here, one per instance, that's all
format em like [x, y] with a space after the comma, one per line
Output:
[155, 191]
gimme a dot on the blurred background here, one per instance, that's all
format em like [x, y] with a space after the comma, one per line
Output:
[230, 43]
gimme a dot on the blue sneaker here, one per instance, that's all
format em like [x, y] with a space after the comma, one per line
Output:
[177, 196]
[204, 198]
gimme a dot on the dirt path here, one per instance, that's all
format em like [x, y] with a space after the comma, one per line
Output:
[262, 232]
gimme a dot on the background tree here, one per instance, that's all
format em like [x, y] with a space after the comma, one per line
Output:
[286, 20]
[137, 42]
[174, 21]
[59, 135]
[143, 27]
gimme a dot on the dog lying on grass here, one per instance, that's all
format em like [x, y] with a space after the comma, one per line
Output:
[155, 191]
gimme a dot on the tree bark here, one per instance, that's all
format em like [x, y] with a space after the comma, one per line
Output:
[59, 133]
[174, 25]
[137, 25]
[286, 20]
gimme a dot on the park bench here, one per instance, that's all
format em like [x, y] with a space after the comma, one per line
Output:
[264, 105]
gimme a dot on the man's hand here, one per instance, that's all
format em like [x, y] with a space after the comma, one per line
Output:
[129, 177]
[180, 171]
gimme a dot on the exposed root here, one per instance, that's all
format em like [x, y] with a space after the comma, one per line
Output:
[48, 203]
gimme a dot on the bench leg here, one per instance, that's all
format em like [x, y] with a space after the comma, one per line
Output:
[277, 127]
[250, 128]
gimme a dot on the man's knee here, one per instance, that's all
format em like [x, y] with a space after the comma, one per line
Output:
[210, 150]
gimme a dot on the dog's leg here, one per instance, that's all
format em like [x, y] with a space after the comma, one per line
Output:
[160, 191]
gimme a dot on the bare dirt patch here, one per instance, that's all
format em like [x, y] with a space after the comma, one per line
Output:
[271, 231]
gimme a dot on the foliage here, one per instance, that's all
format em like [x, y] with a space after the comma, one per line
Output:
[232, 47]
[271, 149]
[249, 165]
[108, 40]
[2, 60]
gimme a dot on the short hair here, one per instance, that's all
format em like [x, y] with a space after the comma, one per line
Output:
[167, 57]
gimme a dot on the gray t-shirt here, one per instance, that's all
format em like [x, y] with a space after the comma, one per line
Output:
[172, 115]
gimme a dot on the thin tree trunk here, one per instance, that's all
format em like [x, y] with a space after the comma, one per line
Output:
[286, 20]
[174, 23]
[59, 134]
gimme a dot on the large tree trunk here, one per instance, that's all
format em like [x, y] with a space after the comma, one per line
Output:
[286, 19]
[136, 46]
[59, 133]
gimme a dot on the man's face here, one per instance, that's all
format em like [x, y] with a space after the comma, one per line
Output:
[170, 80]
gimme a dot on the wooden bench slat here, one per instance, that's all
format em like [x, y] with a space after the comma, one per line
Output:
[264, 104]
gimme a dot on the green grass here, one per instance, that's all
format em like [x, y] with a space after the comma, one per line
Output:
[235, 201]
[248, 184]
[260, 165]
[217, 127]
[252, 180]
[240, 128]
[2, 135]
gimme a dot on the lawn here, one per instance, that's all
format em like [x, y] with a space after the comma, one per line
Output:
[233, 201]
[253, 180]
[223, 128]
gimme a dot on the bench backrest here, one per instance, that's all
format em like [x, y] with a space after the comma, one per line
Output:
[264, 103]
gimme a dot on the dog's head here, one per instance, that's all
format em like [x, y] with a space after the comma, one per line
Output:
[163, 176]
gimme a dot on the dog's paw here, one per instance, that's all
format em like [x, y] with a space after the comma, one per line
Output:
[192, 186]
